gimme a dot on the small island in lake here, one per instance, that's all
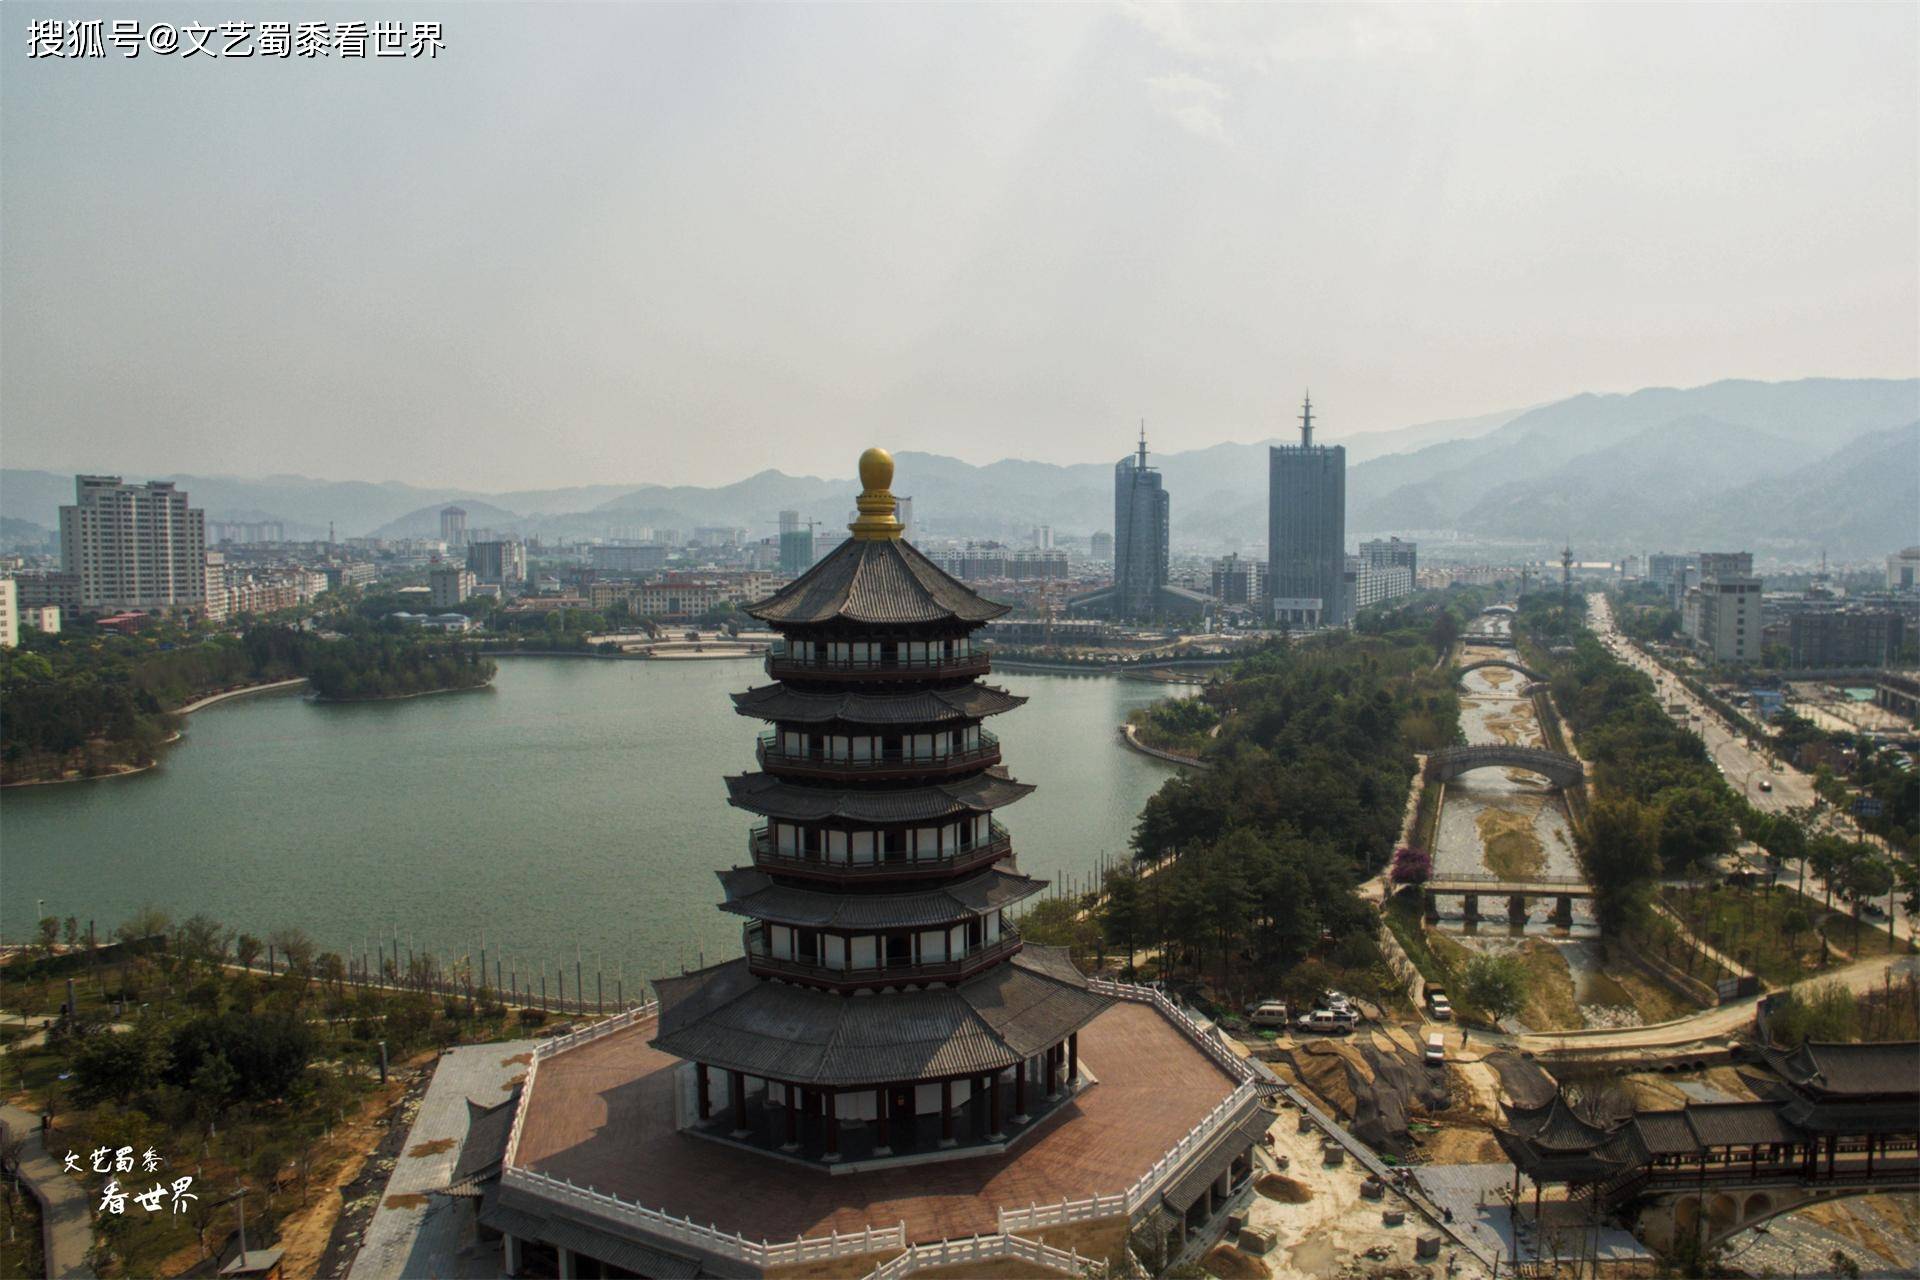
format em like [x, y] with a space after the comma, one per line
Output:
[87, 703]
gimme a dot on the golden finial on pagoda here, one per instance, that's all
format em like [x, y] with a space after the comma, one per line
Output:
[876, 501]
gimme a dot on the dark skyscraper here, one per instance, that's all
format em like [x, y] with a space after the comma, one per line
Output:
[1140, 524]
[1307, 530]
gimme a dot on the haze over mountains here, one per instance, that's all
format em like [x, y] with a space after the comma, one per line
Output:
[1784, 469]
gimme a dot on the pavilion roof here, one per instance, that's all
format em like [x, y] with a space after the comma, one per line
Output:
[923, 706]
[1557, 1126]
[883, 581]
[727, 1017]
[752, 892]
[1885, 1067]
[772, 797]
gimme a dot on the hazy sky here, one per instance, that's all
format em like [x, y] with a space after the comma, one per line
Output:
[678, 243]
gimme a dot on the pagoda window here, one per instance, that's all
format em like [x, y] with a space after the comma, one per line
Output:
[899, 950]
[926, 844]
[957, 942]
[789, 837]
[923, 746]
[780, 942]
[836, 951]
[917, 652]
[864, 952]
[811, 835]
[889, 653]
[836, 846]
[807, 946]
[993, 926]
[793, 744]
[839, 747]
[840, 651]
[863, 749]
[971, 738]
[896, 845]
[863, 846]
[976, 932]
[933, 946]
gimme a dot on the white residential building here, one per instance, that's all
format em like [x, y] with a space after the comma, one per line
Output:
[450, 585]
[134, 546]
[9, 614]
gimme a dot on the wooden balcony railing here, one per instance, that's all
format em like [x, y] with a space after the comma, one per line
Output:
[996, 846]
[783, 664]
[820, 974]
[817, 764]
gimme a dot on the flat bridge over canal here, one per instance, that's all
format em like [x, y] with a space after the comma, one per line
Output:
[1494, 887]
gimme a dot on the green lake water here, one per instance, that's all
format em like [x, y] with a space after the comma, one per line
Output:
[575, 805]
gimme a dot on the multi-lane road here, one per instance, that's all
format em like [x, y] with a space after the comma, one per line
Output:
[1746, 766]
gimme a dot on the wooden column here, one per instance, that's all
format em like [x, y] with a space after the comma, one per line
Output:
[996, 1129]
[737, 1089]
[1020, 1091]
[946, 1113]
[882, 1102]
[1053, 1072]
[706, 1098]
[833, 1128]
[1073, 1061]
[981, 1085]
[793, 1119]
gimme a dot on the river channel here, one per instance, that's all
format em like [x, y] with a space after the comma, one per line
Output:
[576, 807]
[1509, 823]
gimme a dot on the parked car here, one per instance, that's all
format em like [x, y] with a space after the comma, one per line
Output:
[1436, 1054]
[1765, 785]
[1438, 1005]
[1268, 1013]
[1324, 1021]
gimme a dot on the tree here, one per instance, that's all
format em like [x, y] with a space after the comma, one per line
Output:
[1497, 984]
[48, 935]
[1619, 850]
[146, 922]
[1864, 878]
[1124, 916]
[1411, 865]
[247, 949]
[116, 1065]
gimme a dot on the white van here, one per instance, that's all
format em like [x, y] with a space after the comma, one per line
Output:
[1436, 1054]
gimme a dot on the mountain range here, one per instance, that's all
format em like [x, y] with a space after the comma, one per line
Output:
[1785, 468]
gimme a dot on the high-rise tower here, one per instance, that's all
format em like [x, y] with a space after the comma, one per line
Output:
[1307, 530]
[1140, 535]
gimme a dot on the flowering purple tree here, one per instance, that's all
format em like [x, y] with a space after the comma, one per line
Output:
[1411, 865]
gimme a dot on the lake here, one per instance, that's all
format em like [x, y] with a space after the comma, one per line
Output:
[576, 804]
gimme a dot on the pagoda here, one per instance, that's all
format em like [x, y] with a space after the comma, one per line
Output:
[885, 1004]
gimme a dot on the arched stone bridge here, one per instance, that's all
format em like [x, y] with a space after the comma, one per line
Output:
[1528, 672]
[1735, 1201]
[1507, 609]
[1560, 770]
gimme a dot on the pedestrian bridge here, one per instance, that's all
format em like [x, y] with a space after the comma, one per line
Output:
[1508, 663]
[1557, 768]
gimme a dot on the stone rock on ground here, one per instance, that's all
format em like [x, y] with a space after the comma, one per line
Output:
[1374, 1089]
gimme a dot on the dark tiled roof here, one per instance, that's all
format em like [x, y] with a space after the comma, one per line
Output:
[878, 580]
[1557, 1127]
[1886, 1067]
[728, 1018]
[770, 797]
[751, 892]
[1664, 1133]
[926, 706]
[485, 1145]
[1206, 1168]
[1739, 1124]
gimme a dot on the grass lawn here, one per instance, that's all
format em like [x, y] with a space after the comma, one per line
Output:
[20, 1234]
[1776, 934]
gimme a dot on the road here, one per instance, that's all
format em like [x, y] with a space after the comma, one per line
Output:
[65, 1212]
[1745, 766]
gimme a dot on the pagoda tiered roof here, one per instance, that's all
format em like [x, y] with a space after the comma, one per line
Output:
[727, 1017]
[875, 581]
[752, 892]
[771, 797]
[919, 706]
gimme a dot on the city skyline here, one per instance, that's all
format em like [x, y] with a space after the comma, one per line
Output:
[678, 238]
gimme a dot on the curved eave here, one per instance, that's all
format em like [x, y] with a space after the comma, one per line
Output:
[770, 797]
[783, 703]
[753, 893]
[883, 581]
[725, 1017]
